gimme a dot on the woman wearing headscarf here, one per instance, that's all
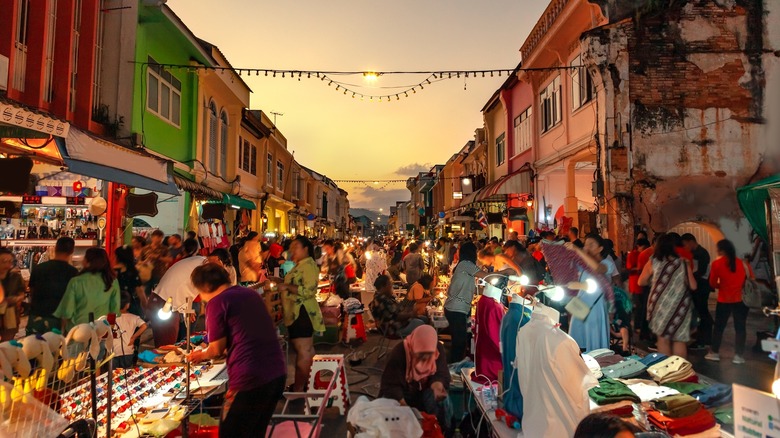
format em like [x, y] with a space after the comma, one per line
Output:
[302, 314]
[416, 373]
[460, 294]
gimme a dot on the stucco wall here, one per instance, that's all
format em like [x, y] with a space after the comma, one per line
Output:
[691, 81]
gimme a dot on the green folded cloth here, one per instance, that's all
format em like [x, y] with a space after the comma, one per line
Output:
[611, 391]
[678, 405]
[724, 414]
[685, 387]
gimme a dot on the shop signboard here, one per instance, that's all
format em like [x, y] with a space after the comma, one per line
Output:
[756, 413]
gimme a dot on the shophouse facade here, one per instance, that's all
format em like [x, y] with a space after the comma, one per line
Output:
[564, 145]
[53, 55]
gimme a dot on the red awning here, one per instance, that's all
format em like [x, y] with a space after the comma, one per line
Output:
[518, 182]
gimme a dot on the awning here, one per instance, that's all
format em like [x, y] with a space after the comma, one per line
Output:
[752, 200]
[237, 201]
[197, 189]
[518, 182]
[90, 156]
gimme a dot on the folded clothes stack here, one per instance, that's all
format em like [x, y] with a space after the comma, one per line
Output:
[593, 366]
[699, 422]
[677, 406]
[611, 391]
[712, 396]
[624, 369]
[672, 369]
[609, 359]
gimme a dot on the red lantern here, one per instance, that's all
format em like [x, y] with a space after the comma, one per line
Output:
[77, 186]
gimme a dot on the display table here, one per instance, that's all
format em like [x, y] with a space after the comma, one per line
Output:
[498, 428]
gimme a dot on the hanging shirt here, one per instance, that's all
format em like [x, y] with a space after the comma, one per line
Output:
[552, 374]
[488, 351]
[517, 316]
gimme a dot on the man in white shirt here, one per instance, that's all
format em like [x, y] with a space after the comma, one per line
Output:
[128, 328]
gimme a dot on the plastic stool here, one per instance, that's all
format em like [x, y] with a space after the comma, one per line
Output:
[356, 330]
[333, 363]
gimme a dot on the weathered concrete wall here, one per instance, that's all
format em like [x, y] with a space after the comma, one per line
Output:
[701, 119]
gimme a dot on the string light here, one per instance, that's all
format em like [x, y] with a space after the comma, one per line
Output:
[370, 76]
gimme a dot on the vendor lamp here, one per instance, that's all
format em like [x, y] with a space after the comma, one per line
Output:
[368, 255]
[466, 181]
[494, 281]
[776, 388]
[557, 293]
[166, 312]
[592, 285]
[524, 280]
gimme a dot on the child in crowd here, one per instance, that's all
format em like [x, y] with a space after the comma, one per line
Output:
[129, 328]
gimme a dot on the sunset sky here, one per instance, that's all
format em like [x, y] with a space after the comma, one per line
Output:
[347, 138]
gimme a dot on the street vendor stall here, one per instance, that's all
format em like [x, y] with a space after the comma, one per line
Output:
[760, 203]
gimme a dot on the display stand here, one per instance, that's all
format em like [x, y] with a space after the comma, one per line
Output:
[498, 428]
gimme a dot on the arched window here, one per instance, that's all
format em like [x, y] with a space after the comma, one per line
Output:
[223, 143]
[213, 127]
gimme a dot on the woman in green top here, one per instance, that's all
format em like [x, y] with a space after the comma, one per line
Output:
[95, 290]
[301, 311]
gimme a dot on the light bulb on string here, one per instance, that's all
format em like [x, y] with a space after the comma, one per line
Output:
[257, 72]
[421, 87]
[266, 72]
[499, 73]
[449, 75]
[282, 74]
[483, 74]
[491, 74]
[397, 97]
[308, 75]
[274, 74]
[458, 75]
[406, 94]
[414, 91]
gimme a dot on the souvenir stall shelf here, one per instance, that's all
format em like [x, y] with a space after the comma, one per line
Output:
[36, 222]
[52, 381]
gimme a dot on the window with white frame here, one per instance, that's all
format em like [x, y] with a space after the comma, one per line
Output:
[213, 130]
[523, 131]
[223, 143]
[163, 94]
[500, 150]
[269, 170]
[582, 87]
[550, 104]
[279, 175]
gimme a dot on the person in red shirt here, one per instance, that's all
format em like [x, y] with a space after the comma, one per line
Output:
[634, 269]
[640, 305]
[728, 274]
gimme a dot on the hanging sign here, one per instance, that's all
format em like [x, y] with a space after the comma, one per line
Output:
[756, 413]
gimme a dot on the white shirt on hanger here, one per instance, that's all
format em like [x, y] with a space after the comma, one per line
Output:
[553, 378]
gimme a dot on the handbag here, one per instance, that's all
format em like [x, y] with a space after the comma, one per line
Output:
[578, 309]
[752, 290]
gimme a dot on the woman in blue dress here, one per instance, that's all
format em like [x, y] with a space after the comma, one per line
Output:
[593, 332]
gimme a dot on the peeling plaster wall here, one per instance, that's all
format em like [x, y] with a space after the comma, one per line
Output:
[704, 114]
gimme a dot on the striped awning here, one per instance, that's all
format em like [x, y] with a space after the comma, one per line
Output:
[197, 189]
[515, 183]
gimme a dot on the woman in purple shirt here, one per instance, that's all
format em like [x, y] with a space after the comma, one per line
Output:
[238, 322]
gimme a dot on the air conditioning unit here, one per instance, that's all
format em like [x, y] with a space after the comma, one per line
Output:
[3, 73]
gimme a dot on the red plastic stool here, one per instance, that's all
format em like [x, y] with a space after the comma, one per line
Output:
[356, 330]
